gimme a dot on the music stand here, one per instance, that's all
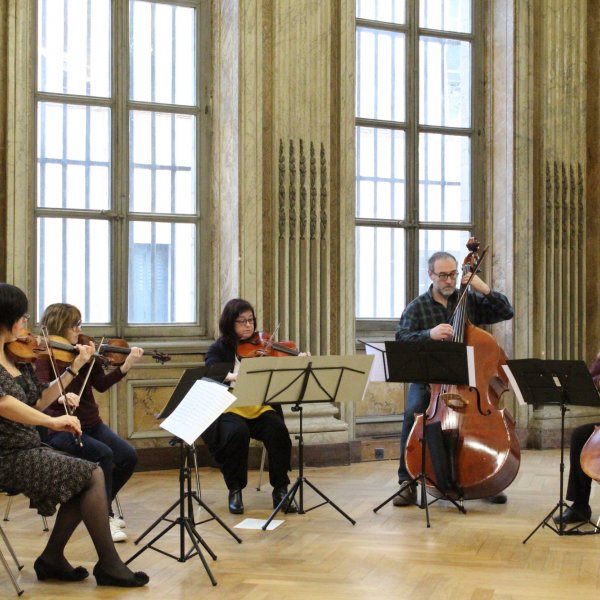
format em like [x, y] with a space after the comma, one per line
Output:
[555, 382]
[187, 497]
[426, 363]
[298, 381]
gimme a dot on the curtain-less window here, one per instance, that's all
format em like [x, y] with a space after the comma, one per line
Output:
[416, 148]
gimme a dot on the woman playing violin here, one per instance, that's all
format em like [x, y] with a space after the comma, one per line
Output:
[580, 484]
[100, 444]
[229, 436]
[47, 477]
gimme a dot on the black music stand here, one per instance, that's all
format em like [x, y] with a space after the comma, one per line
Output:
[555, 382]
[298, 381]
[426, 363]
[187, 497]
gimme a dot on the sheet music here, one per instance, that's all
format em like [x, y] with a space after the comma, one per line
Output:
[514, 386]
[204, 402]
[471, 366]
[378, 369]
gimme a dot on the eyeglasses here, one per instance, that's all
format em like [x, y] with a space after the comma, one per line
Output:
[77, 325]
[445, 276]
[26, 317]
[243, 322]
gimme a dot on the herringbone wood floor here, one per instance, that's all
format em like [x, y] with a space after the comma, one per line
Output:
[320, 555]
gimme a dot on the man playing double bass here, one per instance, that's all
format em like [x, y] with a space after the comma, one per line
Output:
[426, 318]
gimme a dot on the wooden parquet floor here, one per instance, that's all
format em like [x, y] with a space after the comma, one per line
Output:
[320, 555]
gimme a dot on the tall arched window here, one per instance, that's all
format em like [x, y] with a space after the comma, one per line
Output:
[418, 149]
[121, 154]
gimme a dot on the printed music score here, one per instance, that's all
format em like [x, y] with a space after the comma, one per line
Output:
[203, 403]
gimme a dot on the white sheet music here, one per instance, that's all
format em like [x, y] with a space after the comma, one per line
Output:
[514, 386]
[204, 402]
[378, 368]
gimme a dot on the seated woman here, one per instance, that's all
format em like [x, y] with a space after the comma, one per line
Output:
[229, 436]
[45, 476]
[580, 484]
[100, 444]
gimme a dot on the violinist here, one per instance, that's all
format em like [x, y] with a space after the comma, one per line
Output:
[49, 478]
[579, 487]
[100, 444]
[229, 436]
[427, 318]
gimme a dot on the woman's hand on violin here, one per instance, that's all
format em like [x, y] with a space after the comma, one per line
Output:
[478, 284]
[134, 356]
[65, 423]
[72, 400]
[442, 332]
[85, 353]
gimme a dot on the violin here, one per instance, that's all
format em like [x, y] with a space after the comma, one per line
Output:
[262, 344]
[115, 351]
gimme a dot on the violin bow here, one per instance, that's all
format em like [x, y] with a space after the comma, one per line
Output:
[60, 383]
[87, 376]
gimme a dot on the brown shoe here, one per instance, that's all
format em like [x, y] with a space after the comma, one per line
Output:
[407, 496]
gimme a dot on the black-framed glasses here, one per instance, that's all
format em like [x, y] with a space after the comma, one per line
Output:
[243, 322]
[445, 276]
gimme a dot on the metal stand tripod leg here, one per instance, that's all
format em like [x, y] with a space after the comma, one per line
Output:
[186, 522]
[298, 485]
[422, 478]
[562, 528]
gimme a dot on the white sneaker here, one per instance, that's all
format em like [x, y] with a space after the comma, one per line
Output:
[118, 535]
[118, 522]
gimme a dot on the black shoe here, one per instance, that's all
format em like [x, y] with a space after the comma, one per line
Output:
[573, 514]
[278, 495]
[498, 498]
[45, 571]
[236, 506]
[407, 496]
[137, 579]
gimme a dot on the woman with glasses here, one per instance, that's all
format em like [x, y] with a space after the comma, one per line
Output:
[100, 444]
[427, 318]
[228, 438]
[49, 478]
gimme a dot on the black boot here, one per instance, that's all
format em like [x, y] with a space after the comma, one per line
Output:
[278, 495]
[236, 506]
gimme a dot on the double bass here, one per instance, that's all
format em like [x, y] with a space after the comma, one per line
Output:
[477, 453]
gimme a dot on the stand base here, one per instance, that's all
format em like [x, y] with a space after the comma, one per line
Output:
[289, 498]
[563, 528]
[422, 479]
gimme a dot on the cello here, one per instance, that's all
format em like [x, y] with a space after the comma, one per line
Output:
[473, 451]
[590, 453]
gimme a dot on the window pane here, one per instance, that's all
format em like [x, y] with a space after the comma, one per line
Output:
[392, 11]
[430, 241]
[380, 74]
[73, 156]
[163, 163]
[74, 266]
[380, 272]
[446, 15]
[162, 272]
[74, 47]
[444, 178]
[380, 173]
[163, 53]
[445, 83]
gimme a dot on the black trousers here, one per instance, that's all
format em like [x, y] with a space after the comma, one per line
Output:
[228, 440]
[580, 485]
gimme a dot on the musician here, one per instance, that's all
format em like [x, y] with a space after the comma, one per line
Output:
[580, 484]
[426, 318]
[45, 476]
[229, 436]
[100, 444]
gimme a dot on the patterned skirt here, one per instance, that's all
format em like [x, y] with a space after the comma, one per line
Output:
[45, 476]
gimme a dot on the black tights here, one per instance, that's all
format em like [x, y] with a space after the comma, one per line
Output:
[91, 507]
